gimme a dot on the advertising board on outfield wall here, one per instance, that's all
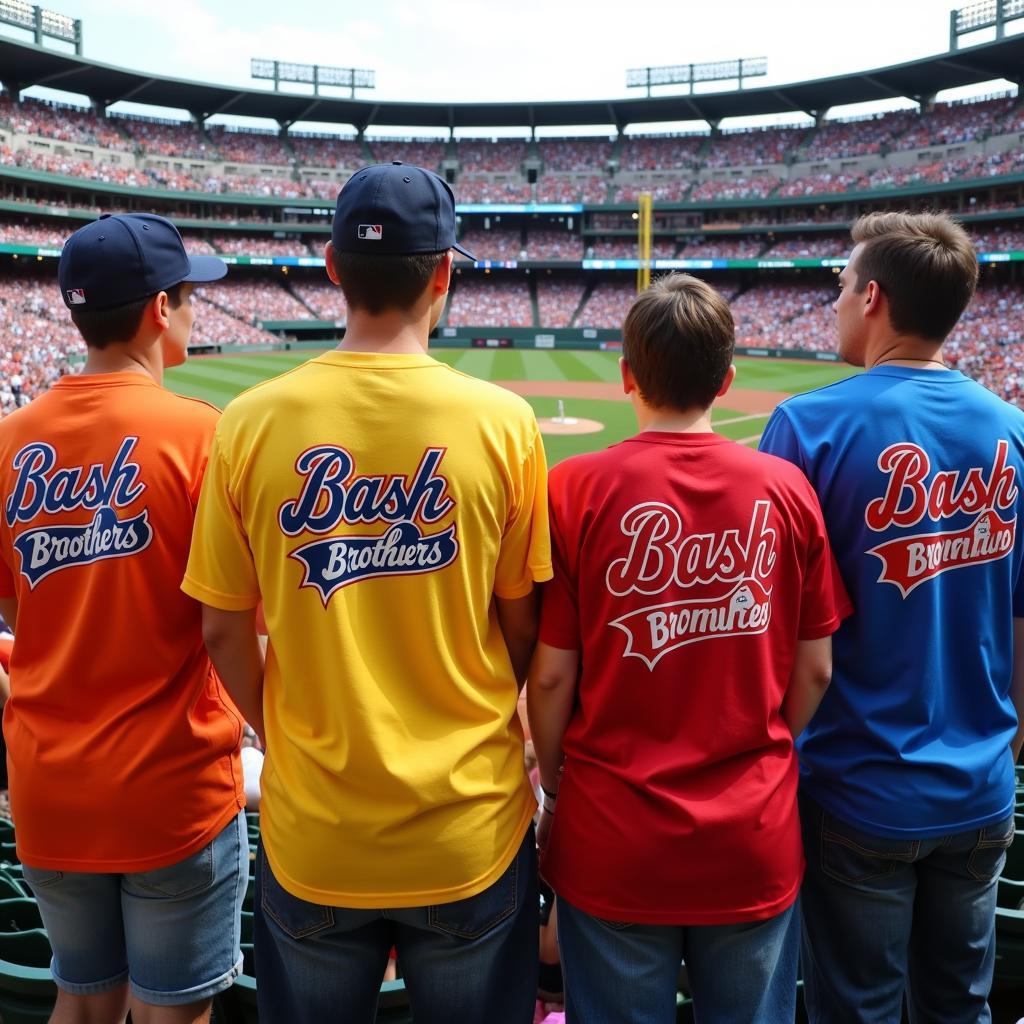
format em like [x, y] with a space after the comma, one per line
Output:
[589, 264]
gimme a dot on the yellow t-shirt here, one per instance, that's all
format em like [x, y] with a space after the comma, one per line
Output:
[376, 503]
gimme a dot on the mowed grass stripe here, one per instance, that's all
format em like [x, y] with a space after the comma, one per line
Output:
[604, 365]
[273, 364]
[546, 365]
[243, 376]
[509, 365]
[792, 377]
[571, 367]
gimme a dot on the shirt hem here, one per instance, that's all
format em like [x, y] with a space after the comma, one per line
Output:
[920, 832]
[128, 867]
[680, 916]
[395, 900]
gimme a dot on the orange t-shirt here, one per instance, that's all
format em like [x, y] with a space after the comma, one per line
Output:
[122, 745]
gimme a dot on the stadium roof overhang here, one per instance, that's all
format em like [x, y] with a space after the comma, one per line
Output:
[24, 64]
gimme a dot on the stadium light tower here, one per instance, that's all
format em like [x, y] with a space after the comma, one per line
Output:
[279, 71]
[984, 14]
[42, 22]
[690, 74]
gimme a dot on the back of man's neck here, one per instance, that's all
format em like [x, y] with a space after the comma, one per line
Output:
[906, 350]
[116, 359]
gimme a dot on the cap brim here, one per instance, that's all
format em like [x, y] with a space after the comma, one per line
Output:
[465, 252]
[206, 268]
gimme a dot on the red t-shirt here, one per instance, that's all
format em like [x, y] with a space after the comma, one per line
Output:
[122, 745]
[687, 567]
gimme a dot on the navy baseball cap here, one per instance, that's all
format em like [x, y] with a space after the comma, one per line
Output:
[126, 256]
[397, 209]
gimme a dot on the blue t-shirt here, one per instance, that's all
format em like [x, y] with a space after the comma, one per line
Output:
[919, 473]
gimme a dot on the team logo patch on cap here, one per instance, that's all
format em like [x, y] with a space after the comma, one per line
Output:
[371, 232]
[76, 296]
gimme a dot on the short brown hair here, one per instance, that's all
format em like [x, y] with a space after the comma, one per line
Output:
[376, 283]
[678, 340]
[102, 327]
[925, 264]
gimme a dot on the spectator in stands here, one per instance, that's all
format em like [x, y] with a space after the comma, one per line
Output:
[109, 729]
[410, 502]
[684, 644]
[907, 784]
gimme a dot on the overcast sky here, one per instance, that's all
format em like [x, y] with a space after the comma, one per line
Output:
[526, 49]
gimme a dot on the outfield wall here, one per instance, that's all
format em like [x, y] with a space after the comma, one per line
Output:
[511, 337]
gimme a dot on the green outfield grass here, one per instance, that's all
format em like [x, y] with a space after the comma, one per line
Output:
[218, 379]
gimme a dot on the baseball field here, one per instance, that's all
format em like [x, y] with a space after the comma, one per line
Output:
[595, 413]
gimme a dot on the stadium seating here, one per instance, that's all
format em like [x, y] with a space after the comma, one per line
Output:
[493, 171]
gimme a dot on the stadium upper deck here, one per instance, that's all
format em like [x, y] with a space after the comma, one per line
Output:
[931, 145]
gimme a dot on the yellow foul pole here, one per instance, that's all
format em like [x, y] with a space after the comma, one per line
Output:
[643, 273]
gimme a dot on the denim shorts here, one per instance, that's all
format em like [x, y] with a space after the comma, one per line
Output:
[173, 932]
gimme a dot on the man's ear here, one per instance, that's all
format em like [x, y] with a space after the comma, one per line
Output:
[629, 384]
[730, 376]
[442, 280]
[158, 312]
[874, 298]
[329, 260]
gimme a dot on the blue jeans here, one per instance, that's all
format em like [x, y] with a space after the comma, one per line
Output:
[474, 960]
[888, 917]
[617, 972]
[173, 931]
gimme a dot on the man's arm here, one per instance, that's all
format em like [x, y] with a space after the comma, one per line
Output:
[812, 672]
[518, 618]
[238, 657]
[550, 695]
[1017, 685]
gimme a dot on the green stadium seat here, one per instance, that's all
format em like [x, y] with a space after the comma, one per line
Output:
[29, 948]
[1010, 893]
[1014, 867]
[19, 914]
[27, 994]
[12, 887]
[1009, 966]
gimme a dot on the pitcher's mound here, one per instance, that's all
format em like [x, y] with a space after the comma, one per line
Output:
[569, 425]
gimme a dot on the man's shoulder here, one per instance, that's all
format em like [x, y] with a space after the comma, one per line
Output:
[196, 410]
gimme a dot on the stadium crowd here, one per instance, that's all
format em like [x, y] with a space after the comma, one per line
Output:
[660, 152]
[586, 154]
[477, 159]
[489, 302]
[37, 341]
[558, 300]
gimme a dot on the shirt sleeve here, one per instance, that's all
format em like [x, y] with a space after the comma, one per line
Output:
[220, 571]
[824, 602]
[525, 554]
[560, 619]
[780, 439]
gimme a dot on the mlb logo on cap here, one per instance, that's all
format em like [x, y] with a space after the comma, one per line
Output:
[76, 296]
[371, 232]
